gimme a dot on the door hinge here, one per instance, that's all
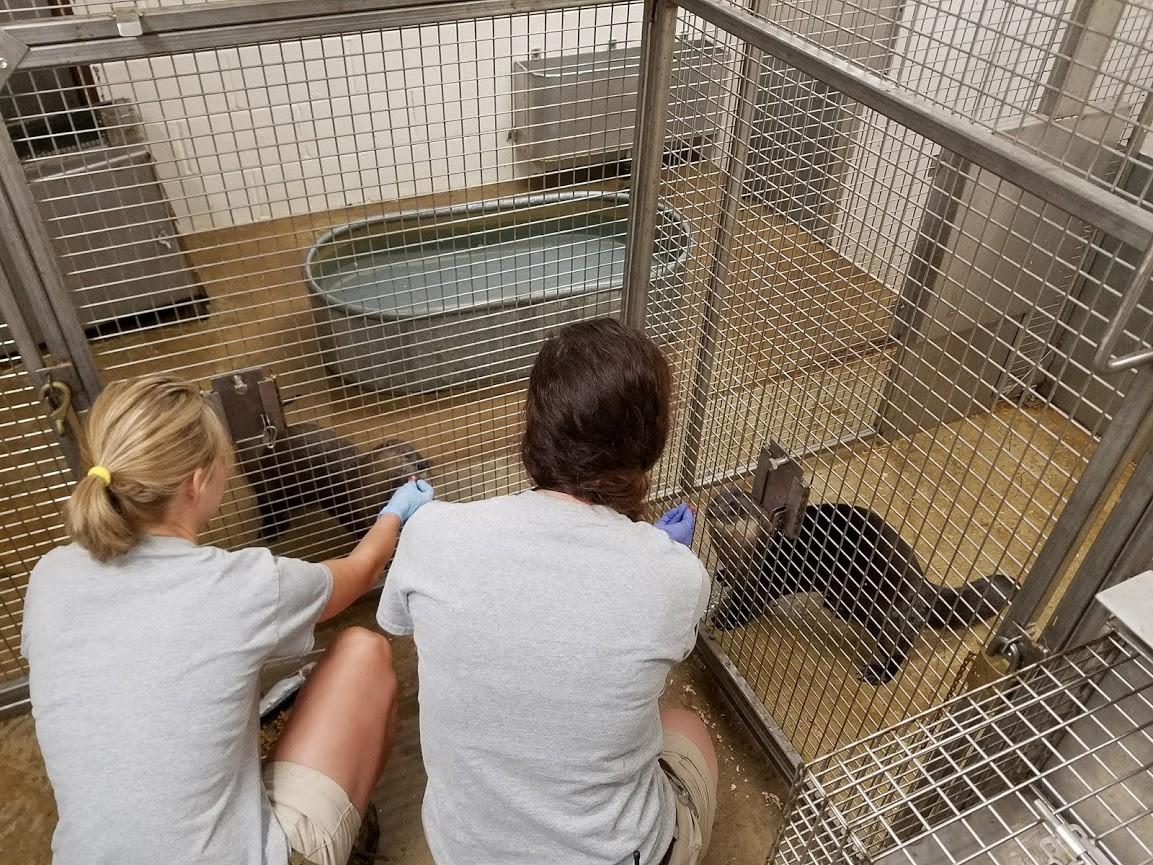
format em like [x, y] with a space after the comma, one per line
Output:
[1066, 843]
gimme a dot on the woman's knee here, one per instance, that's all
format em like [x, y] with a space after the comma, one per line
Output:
[683, 721]
[689, 724]
[367, 649]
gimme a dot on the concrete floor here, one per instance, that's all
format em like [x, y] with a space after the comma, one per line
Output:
[749, 807]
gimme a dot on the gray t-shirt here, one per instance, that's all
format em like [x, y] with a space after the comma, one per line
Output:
[544, 630]
[144, 676]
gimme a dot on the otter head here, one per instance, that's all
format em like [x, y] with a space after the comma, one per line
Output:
[739, 528]
[402, 459]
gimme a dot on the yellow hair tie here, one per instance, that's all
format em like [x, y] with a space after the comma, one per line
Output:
[102, 473]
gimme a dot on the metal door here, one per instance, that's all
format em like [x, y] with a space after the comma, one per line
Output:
[913, 350]
[42, 393]
[202, 232]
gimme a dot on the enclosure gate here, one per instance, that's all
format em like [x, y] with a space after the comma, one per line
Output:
[933, 327]
[909, 242]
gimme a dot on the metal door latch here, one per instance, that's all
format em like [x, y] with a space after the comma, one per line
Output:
[251, 407]
[62, 398]
[1019, 650]
[58, 397]
[1067, 844]
[128, 21]
[779, 487]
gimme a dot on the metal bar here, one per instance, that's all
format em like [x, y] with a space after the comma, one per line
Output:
[937, 221]
[1092, 24]
[185, 33]
[660, 19]
[1122, 442]
[35, 260]
[1078, 618]
[21, 272]
[14, 697]
[1120, 219]
[82, 28]
[750, 709]
[26, 344]
[735, 166]
[28, 348]
[1103, 360]
[1139, 133]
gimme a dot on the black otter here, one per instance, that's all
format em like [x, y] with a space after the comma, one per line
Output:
[863, 569]
[314, 467]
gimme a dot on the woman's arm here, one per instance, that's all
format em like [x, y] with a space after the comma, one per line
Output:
[358, 572]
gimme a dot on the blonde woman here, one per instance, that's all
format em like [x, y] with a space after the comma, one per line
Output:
[145, 650]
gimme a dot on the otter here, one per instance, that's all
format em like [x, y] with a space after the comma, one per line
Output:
[863, 569]
[314, 467]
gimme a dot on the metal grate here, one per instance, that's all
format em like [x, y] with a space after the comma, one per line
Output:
[1053, 765]
[358, 216]
[219, 183]
[907, 327]
[34, 479]
[1006, 65]
[388, 216]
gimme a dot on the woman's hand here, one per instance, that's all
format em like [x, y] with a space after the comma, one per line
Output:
[679, 523]
[407, 500]
[360, 570]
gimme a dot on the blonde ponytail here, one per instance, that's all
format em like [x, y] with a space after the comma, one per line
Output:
[145, 437]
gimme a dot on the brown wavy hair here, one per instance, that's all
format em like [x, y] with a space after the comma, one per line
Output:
[597, 414]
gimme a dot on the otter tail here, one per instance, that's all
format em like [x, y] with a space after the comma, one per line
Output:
[971, 603]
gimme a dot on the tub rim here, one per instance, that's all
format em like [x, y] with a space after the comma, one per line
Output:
[521, 66]
[489, 205]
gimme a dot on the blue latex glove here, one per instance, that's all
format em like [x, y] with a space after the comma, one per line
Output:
[679, 523]
[408, 499]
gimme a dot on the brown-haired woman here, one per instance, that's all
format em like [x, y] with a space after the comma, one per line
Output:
[546, 624]
[145, 652]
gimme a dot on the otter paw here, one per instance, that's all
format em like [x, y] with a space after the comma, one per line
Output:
[877, 674]
[731, 613]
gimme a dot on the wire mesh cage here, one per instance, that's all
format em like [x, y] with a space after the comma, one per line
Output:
[387, 208]
[35, 478]
[914, 328]
[1052, 765]
[386, 221]
[358, 216]
[1005, 66]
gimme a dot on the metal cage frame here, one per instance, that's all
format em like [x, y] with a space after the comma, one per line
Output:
[143, 33]
[1127, 438]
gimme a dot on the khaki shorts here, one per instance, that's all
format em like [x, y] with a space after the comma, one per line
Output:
[315, 813]
[686, 768]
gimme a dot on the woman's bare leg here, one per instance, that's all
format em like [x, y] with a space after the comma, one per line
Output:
[690, 725]
[345, 716]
